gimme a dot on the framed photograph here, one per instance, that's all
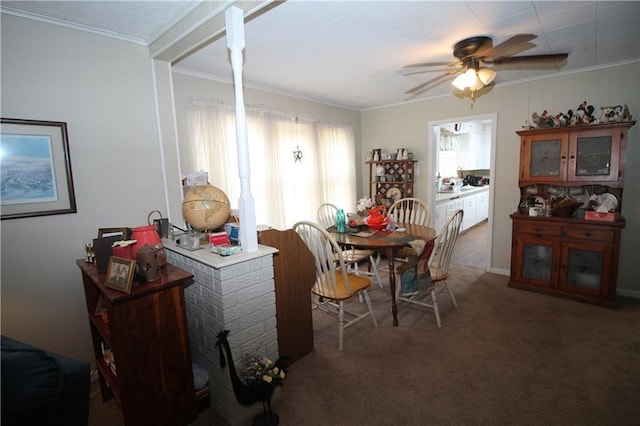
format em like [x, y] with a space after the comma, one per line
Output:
[120, 274]
[36, 169]
[124, 232]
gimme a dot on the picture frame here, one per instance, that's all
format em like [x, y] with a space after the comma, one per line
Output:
[36, 152]
[110, 232]
[120, 274]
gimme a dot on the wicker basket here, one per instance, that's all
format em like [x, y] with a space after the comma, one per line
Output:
[563, 211]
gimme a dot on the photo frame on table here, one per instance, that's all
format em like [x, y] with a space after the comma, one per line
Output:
[36, 169]
[123, 232]
[120, 274]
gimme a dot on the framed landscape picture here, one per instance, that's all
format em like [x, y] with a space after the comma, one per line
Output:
[36, 177]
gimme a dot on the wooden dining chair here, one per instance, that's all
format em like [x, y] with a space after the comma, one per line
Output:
[334, 285]
[438, 268]
[408, 210]
[353, 257]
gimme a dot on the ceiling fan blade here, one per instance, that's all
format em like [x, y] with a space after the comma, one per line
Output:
[431, 64]
[432, 81]
[431, 86]
[529, 58]
[511, 46]
[485, 47]
[426, 71]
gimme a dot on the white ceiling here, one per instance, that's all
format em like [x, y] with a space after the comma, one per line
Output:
[352, 53]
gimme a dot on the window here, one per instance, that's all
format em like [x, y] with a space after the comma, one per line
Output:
[284, 191]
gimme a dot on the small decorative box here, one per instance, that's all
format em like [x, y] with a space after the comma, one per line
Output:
[603, 216]
[218, 238]
[227, 249]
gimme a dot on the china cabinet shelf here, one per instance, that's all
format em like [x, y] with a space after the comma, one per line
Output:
[387, 174]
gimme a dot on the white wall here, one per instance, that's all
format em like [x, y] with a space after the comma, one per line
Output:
[102, 88]
[407, 125]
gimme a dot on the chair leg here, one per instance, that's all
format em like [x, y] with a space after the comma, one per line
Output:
[357, 272]
[434, 300]
[370, 306]
[374, 266]
[453, 298]
[340, 324]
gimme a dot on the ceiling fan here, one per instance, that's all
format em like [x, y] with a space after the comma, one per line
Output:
[474, 54]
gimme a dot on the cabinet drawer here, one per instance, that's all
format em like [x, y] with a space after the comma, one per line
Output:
[454, 205]
[540, 229]
[588, 234]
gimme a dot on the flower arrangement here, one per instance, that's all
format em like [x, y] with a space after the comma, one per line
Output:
[364, 204]
[258, 369]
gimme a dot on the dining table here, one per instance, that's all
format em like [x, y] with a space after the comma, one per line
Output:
[387, 242]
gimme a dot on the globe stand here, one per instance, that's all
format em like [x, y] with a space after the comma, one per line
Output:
[267, 417]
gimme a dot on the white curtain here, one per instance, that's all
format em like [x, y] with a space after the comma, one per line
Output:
[285, 191]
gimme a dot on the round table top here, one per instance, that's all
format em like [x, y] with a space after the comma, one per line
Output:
[385, 239]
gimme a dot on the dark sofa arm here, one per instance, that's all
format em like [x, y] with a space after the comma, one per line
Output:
[42, 387]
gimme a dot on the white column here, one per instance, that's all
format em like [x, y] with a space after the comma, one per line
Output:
[246, 203]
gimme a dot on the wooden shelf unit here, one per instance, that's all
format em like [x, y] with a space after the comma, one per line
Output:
[148, 336]
[567, 256]
[404, 176]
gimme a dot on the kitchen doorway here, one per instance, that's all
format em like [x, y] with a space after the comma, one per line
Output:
[462, 169]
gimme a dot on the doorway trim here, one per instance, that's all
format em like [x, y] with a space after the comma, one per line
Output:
[432, 144]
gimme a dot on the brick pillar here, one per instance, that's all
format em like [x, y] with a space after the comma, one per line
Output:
[238, 296]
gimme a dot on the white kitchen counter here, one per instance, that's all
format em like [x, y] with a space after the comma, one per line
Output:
[446, 196]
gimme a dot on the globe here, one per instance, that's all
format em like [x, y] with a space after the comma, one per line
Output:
[205, 207]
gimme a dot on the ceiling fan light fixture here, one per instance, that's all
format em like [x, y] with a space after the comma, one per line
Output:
[468, 79]
[460, 82]
[486, 75]
[472, 52]
[478, 84]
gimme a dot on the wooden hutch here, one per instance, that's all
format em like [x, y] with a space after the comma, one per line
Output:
[397, 174]
[569, 257]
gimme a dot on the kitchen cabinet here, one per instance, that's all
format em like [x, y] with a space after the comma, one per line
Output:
[482, 206]
[565, 258]
[469, 207]
[568, 256]
[574, 155]
[473, 147]
[474, 203]
[397, 174]
[439, 216]
[453, 205]
[147, 367]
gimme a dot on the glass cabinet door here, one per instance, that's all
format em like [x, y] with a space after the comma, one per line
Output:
[545, 158]
[587, 268]
[537, 263]
[594, 156]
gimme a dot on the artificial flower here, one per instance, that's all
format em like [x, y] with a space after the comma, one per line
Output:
[257, 369]
[364, 204]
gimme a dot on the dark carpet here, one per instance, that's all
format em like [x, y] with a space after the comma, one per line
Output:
[503, 357]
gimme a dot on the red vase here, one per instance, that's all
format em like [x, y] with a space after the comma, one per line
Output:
[147, 235]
